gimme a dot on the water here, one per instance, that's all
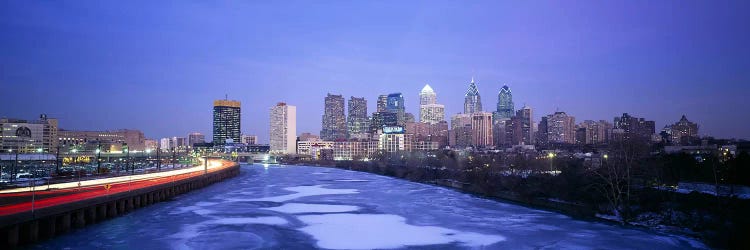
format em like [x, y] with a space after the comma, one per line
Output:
[293, 207]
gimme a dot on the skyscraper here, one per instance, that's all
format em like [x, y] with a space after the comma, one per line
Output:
[504, 103]
[396, 105]
[283, 130]
[427, 95]
[520, 127]
[460, 135]
[334, 121]
[226, 121]
[560, 128]
[357, 121]
[472, 100]
[481, 129]
[382, 103]
[429, 111]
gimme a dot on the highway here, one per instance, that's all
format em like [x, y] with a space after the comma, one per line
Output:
[20, 199]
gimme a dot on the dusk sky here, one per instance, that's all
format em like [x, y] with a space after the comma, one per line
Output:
[157, 66]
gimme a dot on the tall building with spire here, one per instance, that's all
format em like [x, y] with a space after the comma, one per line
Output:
[472, 100]
[334, 121]
[226, 121]
[429, 110]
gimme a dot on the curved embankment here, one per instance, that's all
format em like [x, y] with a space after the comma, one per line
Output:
[75, 207]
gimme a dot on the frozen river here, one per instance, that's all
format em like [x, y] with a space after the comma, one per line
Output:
[293, 207]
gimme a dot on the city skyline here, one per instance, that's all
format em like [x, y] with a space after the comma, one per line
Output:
[660, 72]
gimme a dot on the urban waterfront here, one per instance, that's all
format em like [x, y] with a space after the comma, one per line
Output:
[300, 207]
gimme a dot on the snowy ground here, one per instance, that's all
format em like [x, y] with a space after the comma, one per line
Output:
[294, 207]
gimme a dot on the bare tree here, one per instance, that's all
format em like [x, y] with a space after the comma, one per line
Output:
[616, 175]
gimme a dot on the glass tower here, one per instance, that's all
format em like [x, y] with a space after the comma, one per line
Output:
[472, 101]
[226, 121]
[505, 103]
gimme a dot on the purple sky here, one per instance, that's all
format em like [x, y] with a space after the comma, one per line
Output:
[157, 67]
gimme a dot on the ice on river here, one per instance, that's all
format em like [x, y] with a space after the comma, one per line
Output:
[299, 207]
[379, 231]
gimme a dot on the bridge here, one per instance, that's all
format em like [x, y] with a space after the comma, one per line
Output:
[33, 213]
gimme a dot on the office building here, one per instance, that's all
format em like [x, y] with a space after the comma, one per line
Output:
[559, 128]
[226, 127]
[382, 103]
[26, 136]
[396, 105]
[681, 132]
[150, 145]
[504, 104]
[195, 137]
[472, 100]
[306, 136]
[429, 110]
[283, 130]
[334, 121]
[634, 128]
[481, 129]
[357, 121]
[249, 139]
[107, 141]
[460, 134]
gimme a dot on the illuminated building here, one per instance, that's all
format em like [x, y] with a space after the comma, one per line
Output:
[333, 121]
[283, 131]
[504, 103]
[195, 137]
[151, 145]
[226, 124]
[681, 131]
[249, 139]
[472, 100]
[596, 132]
[429, 110]
[397, 106]
[107, 141]
[393, 139]
[460, 135]
[481, 129]
[358, 124]
[559, 129]
[26, 136]
[313, 148]
[634, 128]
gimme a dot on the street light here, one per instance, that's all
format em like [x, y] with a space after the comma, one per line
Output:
[78, 171]
[551, 157]
[98, 161]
